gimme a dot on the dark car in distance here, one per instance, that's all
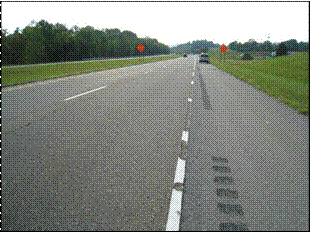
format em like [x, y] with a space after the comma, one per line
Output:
[203, 58]
[185, 55]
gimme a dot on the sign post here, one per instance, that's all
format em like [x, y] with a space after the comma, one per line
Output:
[140, 47]
[223, 49]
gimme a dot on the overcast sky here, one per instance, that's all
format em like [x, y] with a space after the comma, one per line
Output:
[175, 22]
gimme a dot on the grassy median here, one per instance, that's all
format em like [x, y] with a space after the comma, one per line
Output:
[21, 75]
[286, 77]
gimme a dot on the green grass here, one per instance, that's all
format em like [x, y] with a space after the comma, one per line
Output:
[286, 78]
[21, 75]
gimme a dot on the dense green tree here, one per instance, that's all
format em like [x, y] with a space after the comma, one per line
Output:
[34, 50]
[303, 46]
[194, 46]
[233, 45]
[292, 45]
[41, 42]
[204, 50]
[282, 50]
[247, 56]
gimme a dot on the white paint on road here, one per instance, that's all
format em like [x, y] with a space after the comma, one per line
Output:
[185, 136]
[180, 172]
[84, 93]
[174, 215]
[192, 82]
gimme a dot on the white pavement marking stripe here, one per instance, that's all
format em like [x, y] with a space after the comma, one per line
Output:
[180, 171]
[174, 215]
[84, 93]
[185, 136]
[192, 82]
[190, 100]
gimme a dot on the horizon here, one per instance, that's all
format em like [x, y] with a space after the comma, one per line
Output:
[172, 27]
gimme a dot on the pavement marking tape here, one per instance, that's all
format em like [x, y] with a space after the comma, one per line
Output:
[180, 171]
[190, 100]
[84, 93]
[174, 215]
[192, 82]
[185, 136]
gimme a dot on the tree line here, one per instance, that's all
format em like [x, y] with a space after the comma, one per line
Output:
[267, 46]
[195, 47]
[251, 45]
[43, 42]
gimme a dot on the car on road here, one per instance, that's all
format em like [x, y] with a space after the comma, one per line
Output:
[185, 55]
[203, 57]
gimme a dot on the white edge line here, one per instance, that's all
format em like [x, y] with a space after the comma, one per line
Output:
[174, 215]
[180, 171]
[185, 136]
[84, 93]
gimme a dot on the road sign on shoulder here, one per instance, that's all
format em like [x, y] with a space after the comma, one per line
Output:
[140, 47]
[223, 48]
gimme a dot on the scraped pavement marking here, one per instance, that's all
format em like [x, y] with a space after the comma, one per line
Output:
[84, 93]
[174, 216]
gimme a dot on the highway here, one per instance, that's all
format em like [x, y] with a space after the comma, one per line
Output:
[101, 151]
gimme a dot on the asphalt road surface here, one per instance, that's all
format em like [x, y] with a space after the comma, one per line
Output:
[248, 159]
[100, 161]
[99, 151]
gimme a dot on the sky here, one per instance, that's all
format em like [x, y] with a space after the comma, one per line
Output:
[172, 22]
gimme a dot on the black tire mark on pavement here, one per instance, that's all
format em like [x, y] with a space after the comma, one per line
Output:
[205, 96]
[229, 209]
[233, 227]
[221, 169]
[234, 209]
[219, 159]
[233, 194]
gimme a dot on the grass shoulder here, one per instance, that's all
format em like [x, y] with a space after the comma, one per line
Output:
[20, 75]
[286, 77]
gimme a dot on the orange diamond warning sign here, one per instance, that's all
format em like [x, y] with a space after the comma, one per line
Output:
[223, 48]
[140, 47]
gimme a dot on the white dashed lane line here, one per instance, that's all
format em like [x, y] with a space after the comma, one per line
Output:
[174, 215]
[84, 93]
[180, 172]
[185, 136]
